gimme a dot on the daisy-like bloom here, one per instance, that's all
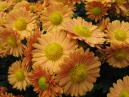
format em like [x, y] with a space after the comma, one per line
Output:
[4, 5]
[51, 50]
[66, 2]
[118, 55]
[6, 95]
[44, 83]
[18, 76]
[78, 73]
[2, 18]
[96, 10]
[82, 30]
[120, 89]
[10, 42]
[22, 21]
[54, 16]
[22, 4]
[28, 51]
[103, 1]
[122, 7]
[118, 32]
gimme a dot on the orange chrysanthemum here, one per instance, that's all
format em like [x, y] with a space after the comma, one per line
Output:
[118, 55]
[78, 73]
[54, 16]
[51, 50]
[82, 30]
[44, 83]
[96, 10]
[6, 95]
[18, 76]
[118, 32]
[120, 89]
[10, 43]
[21, 21]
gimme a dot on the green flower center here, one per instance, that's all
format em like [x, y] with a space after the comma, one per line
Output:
[120, 35]
[96, 11]
[124, 94]
[20, 24]
[78, 73]
[42, 83]
[53, 51]
[82, 31]
[3, 6]
[11, 41]
[20, 75]
[56, 18]
[121, 55]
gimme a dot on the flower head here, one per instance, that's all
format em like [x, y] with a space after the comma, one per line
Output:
[118, 32]
[118, 55]
[51, 49]
[44, 83]
[96, 10]
[18, 75]
[10, 42]
[120, 89]
[21, 21]
[55, 16]
[82, 30]
[78, 73]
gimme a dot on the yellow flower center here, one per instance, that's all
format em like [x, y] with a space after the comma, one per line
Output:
[3, 6]
[42, 83]
[96, 11]
[20, 75]
[78, 73]
[20, 24]
[11, 41]
[56, 18]
[53, 51]
[120, 55]
[120, 35]
[82, 31]
[124, 94]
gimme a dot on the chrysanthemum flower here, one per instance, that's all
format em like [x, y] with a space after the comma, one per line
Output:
[22, 4]
[67, 2]
[44, 83]
[28, 50]
[4, 5]
[10, 42]
[121, 7]
[22, 21]
[6, 95]
[82, 30]
[78, 73]
[54, 16]
[18, 76]
[96, 10]
[118, 32]
[51, 50]
[2, 18]
[120, 89]
[118, 55]
[103, 1]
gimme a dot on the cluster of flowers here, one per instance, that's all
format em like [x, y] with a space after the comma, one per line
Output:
[46, 37]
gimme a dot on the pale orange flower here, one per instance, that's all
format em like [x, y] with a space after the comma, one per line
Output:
[85, 31]
[120, 89]
[78, 73]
